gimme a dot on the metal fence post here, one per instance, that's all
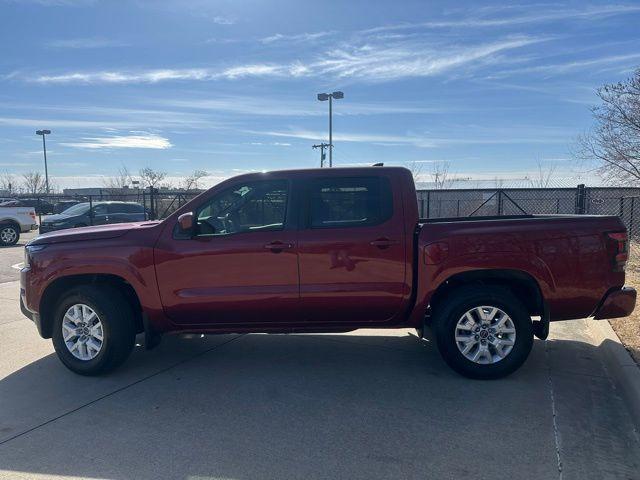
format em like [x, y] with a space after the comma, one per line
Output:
[633, 205]
[581, 195]
[428, 203]
[499, 202]
[91, 209]
[39, 211]
[152, 206]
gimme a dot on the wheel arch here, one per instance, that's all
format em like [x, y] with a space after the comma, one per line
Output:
[56, 289]
[521, 284]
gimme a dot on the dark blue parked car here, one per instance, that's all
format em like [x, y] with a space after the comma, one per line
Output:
[101, 213]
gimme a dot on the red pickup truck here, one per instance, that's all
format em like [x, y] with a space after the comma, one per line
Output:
[328, 250]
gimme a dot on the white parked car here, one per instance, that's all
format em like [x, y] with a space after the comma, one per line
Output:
[14, 221]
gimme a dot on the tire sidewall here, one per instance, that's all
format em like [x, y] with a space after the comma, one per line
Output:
[505, 301]
[106, 315]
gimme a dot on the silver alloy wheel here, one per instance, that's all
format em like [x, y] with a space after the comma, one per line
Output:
[82, 332]
[485, 335]
[8, 235]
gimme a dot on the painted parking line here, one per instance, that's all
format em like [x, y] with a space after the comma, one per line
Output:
[18, 266]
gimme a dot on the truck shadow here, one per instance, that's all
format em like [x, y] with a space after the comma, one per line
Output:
[284, 406]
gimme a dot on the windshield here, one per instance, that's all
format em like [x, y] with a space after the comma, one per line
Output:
[78, 209]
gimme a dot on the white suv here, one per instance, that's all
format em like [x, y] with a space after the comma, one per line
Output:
[14, 221]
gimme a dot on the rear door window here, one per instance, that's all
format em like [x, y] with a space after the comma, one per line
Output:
[350, 202]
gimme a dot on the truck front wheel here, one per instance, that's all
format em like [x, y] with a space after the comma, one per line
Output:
[483, 332]
[94, 329]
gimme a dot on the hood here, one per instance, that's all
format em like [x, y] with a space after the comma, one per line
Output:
[55, 218]
[98, 232]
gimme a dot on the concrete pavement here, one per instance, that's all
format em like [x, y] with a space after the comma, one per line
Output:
[369, 404]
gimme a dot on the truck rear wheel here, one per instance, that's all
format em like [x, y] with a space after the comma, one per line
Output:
[9, 234]
[483, 332]
[94, 329]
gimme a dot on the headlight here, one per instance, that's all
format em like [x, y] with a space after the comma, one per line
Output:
[30, 250]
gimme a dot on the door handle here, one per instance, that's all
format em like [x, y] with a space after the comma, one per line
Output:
[277, 247]
[383, 243]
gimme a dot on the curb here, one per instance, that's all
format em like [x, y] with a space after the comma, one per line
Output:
[622, 368]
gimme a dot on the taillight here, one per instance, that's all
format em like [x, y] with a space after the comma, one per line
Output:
[32, 214]
[619, 249]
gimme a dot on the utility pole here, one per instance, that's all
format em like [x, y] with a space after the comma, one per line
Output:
[324, 97]
[323, 156]
[44, 133]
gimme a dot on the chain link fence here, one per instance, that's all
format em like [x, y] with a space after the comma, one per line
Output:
[623, 202]
[156, 204]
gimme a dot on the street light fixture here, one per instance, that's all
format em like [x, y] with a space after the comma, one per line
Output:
[44, 149]
[323, 97]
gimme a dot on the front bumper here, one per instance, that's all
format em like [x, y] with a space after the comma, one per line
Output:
[617, 303]
[33, 316]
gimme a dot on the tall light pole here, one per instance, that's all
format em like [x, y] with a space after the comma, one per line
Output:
[324, 97]
[44, 149]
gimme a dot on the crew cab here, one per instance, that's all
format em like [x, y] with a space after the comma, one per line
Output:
[324, 250]
[14, 221]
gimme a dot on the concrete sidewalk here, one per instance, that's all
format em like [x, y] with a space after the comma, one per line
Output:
[372, 404]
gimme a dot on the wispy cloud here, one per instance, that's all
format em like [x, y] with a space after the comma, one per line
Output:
[275, 144]
[413, 59]
[300, 37]
[478, 135]
[123, 141]
[56, 3]
[163, 75]
[345, 137]
[560, 68]
[221, 20]
[85, 43]
[539, 15]
[287, 107]
[367, 62]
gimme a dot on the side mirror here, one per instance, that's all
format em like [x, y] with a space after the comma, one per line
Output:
[186, 223]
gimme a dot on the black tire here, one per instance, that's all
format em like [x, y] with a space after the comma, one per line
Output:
[463, 300]
[9, 234]
[118, 328]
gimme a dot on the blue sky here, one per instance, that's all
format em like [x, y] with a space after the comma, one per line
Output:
[229, 86]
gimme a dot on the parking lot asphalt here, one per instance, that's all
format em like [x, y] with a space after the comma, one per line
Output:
[369, 404]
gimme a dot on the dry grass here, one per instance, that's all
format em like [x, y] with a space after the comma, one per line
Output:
[628, 328]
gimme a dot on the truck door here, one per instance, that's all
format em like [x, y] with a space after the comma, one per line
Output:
[352, 250]
[242, 264]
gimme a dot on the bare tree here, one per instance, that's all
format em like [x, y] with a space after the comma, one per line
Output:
[119, 181]
[152, 178]
[416, 170]
[614, 142]
[441, 176]
[543, 175]
[192, 182]
[34, 183]
[7, 182]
